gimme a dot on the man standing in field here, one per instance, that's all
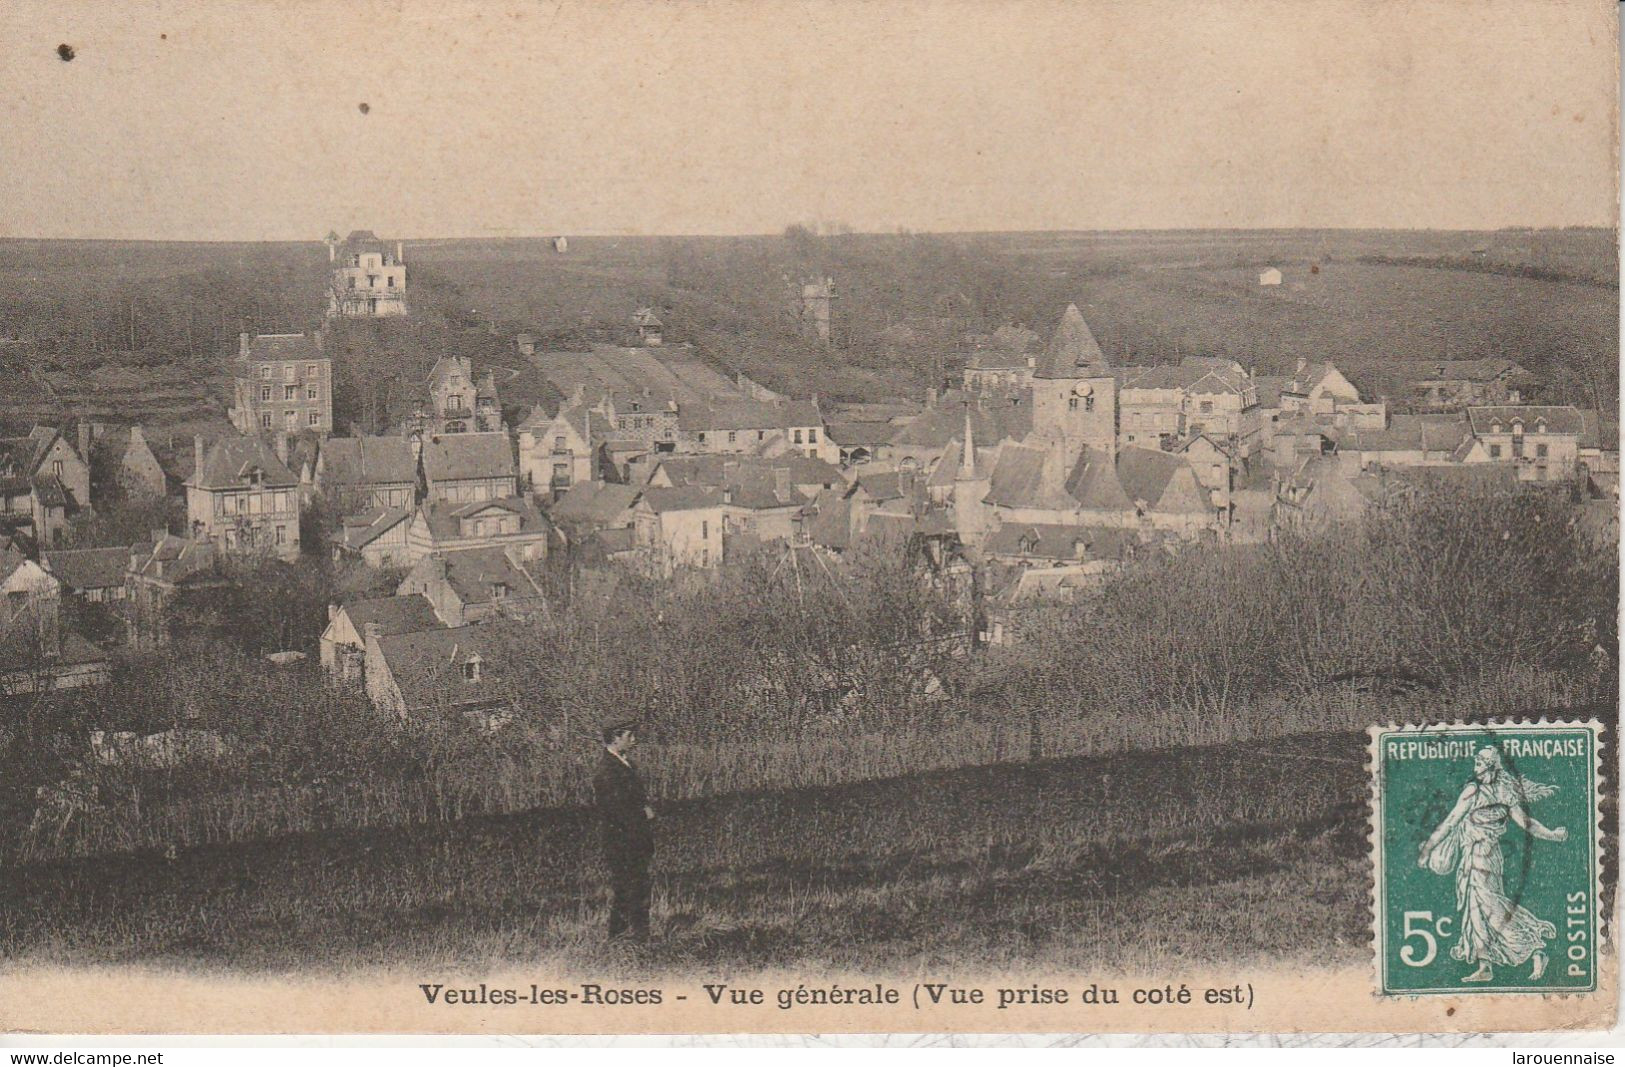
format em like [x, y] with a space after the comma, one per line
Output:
[626, 832]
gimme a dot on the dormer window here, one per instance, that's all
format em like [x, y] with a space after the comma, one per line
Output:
[1517, 429]
[499, 590]
[471, 669]
[1495, 427]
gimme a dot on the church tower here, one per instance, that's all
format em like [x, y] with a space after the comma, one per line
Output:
[1074, 391]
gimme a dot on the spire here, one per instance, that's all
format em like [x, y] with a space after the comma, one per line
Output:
[967, 459]
[1073, 351]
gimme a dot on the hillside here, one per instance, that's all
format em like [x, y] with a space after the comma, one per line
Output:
[1115, 860]
[905, 307]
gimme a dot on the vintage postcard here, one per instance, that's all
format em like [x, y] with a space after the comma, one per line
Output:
[807, 516]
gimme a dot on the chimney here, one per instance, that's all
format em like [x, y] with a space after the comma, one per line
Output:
[931, 397]
[781, 482]
[400, 253]
[242, 346]
[84, 440]
[1301, 368]
[332, 612]
[280, 443]
[197, 457]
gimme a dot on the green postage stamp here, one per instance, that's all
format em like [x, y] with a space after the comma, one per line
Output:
[1487, 855]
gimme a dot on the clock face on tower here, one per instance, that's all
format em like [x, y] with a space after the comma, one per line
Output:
[1083, 389]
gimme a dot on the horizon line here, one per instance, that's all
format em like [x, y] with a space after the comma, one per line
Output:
[901, 231]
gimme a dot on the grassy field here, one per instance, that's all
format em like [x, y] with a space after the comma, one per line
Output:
[1234, 853]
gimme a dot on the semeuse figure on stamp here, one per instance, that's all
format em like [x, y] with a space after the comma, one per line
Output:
[1493, 929]
[626, 833]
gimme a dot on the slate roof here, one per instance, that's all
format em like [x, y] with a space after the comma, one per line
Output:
[21, 456]
[748, 415]
[368, 461]
[1027, 477]
[851, 433]
[274, 346]
[89, 568]
[1097, 484]
[1073, 351]
[227, 463]
[471, 572]
[614, 542]
[1427, 433]
[1198, 378]
[393, 614]
[1270, 387]
[593, 503]
[444, 517]
[1058, 540]
[454, 457]
[991, 422]
[827, 519]
[1144, 473]
[1562, 419]
[361, 530]
[172, 559]
[427, 667]
[883, 486]
[682, 498]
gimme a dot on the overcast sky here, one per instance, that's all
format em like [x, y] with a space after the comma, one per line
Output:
[215, 120]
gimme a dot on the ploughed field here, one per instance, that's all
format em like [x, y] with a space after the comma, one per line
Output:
[1235, 852]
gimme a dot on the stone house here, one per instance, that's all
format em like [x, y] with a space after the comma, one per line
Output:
[436, 672]
[458, 400]
[38, 653]
[752, 426]
[464, 467]
[343, 642]
[679, 527]
[282, 384]
[243, 498]
[360, 473]
[1541, 441]
[160, 570]
[377, 536]
[139, 472]
[556, 453]
[506, 522]
[475, 584]
[369, 278]
[96, 575]
[43, 483]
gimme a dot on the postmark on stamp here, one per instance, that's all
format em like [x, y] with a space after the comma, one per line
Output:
[1486, 852]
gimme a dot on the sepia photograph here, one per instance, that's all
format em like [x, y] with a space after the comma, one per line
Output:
[809, 516]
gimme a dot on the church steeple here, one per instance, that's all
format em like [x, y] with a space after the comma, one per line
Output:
[967, 458]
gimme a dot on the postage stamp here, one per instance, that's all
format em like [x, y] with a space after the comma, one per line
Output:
[1487, 853]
